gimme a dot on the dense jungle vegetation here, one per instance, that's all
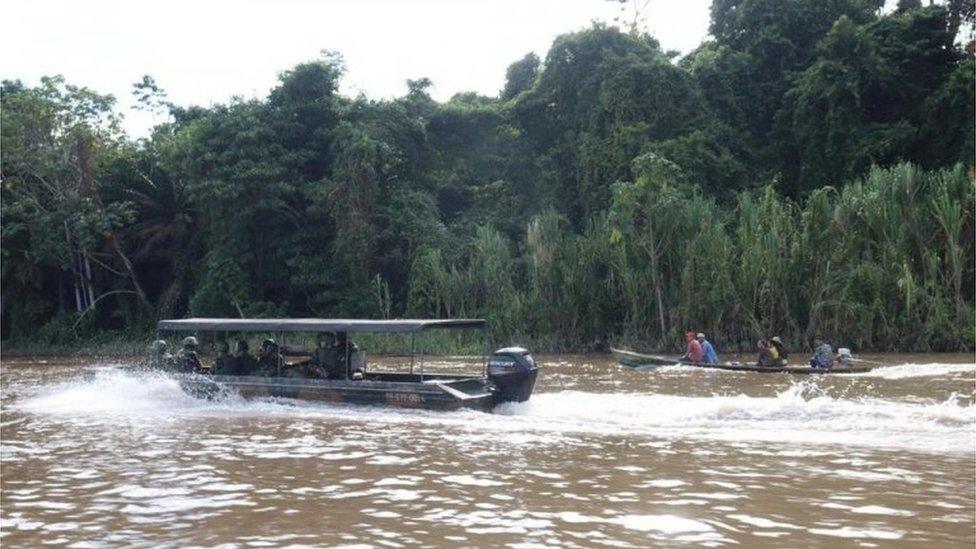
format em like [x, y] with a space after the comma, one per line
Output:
[808, 170]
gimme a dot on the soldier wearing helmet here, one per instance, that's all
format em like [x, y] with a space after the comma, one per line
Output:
[246, 364]
[159, 356]
[269, 359]
[325, 356]
[187, 360]
[224, 363]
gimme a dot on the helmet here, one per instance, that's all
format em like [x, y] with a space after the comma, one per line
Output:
[158, 346]
[777, 340]
[700, 335]
[190, 341]
[268, 344]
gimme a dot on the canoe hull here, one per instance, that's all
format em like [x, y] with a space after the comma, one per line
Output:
[633, 359]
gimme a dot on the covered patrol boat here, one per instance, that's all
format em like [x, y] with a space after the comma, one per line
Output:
[508, 375]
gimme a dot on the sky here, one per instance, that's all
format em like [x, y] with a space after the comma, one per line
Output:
[208, 51]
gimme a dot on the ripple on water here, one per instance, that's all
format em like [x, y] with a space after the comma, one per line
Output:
[858, 533]
[569, 467]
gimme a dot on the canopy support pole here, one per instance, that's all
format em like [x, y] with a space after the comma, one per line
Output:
[413, 338]
[281, 352]
[487, 349]
[422, 363]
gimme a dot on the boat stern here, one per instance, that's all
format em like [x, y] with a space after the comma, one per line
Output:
[513, 371]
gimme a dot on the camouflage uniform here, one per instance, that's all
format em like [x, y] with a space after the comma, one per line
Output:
[269, 359]
[159, 357]
[245, 364]
[187, 360]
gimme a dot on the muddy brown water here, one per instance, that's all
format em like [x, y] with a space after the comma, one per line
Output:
[601, 456]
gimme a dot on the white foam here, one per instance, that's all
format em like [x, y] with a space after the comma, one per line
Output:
[111, 391]
[469, 480]
[667, 524]
[904, 371]
[801, 414]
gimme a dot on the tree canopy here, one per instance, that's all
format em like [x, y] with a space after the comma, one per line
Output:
[807, 170]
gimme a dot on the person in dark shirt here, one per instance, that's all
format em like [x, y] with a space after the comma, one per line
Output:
[246, 364]
[269, 359]
[224, 363]
[324, 357]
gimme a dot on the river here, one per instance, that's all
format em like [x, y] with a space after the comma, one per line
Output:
[601, 456]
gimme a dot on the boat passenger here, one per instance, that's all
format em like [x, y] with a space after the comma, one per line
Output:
[187, 360]
[823, 354]
[767, 357]
[246, 365]
[344, 351]
[269, 359]
[323, 362]
[709, 356]
[780, 350]
[693, 350]
[159, 357]
[844, 357]
[224, 364]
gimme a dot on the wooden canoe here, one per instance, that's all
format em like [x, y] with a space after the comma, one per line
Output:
[633, 359]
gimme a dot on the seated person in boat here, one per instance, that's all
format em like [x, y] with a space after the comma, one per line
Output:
[709, 356]
[245, 364]
[693, 350]
[780, 350]
[823, 354]
[343, 352]
[187, 360]
[844, 358]
[269, 359]
[325, 357]
[159, 356]
[768, 357]
[224, 364]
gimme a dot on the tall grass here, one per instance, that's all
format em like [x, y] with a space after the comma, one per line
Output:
[886, 262]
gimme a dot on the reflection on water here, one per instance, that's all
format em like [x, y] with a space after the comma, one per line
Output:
[600, 456]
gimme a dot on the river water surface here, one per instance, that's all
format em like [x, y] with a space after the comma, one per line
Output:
[601, 456]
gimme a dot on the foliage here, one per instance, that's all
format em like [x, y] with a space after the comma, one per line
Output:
[807, 171]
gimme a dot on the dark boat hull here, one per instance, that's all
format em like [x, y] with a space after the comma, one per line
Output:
[632, 359]
[433, 394]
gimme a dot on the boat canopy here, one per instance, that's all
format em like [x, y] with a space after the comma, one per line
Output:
[316, 325]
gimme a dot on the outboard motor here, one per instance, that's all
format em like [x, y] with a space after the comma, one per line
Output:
[513, 371]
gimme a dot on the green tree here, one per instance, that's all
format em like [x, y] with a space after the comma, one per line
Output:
[520, 76]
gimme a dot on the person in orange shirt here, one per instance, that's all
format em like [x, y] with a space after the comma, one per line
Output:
[693, 350]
